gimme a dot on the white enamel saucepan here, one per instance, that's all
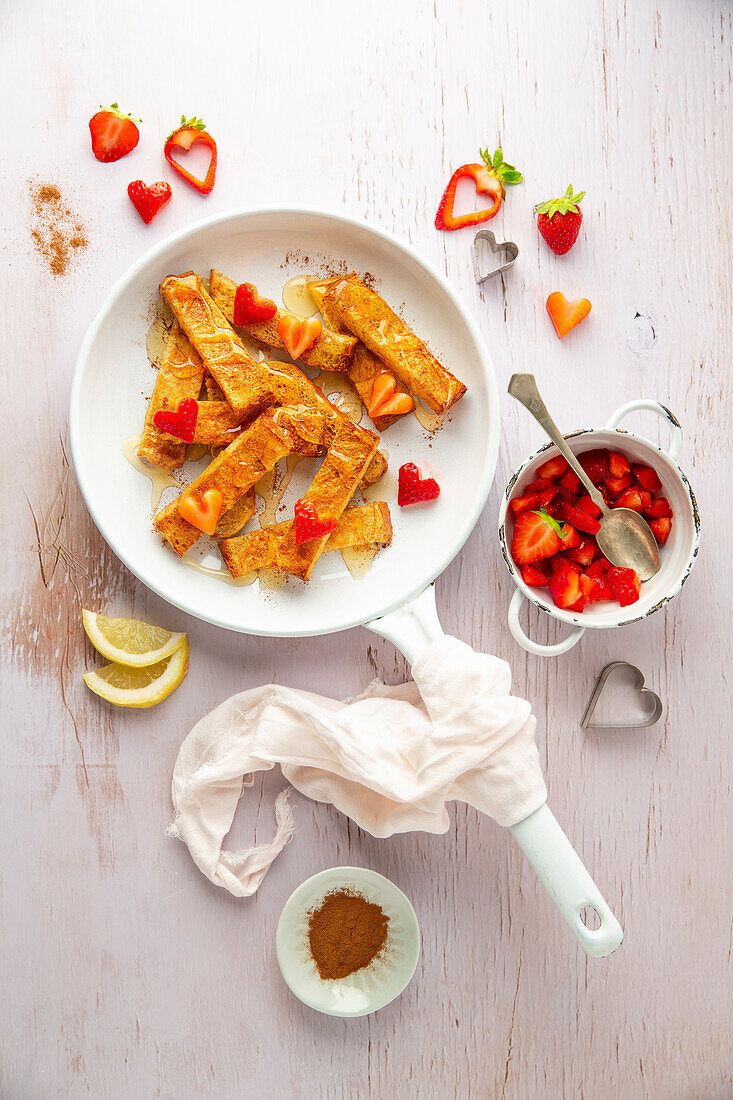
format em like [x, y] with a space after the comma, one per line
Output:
[395, 599]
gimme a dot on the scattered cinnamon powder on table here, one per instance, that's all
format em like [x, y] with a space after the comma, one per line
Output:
[345, 933]
[57, 233]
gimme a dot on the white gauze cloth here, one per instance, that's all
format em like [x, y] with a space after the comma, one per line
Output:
[390, 759]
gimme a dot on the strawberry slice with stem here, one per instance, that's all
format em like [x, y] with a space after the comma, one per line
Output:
[190, 131]
[114, 134]
[490, 178]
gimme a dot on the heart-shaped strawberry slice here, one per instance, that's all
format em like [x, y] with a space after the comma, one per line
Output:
[181, 422]
[412, 489]
[298, 334]
[566, 315]
[250, 308]
[308, 525]
[149, 200]
[201, 510]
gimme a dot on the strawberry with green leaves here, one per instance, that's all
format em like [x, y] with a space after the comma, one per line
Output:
[491, 178]
[113, 133]
[558, 221]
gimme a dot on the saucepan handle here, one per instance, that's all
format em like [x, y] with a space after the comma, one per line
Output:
[540, 650]
[562, 873]
[413, 626]
[661, 410]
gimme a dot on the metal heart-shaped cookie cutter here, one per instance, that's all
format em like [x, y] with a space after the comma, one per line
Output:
[655, 715]
[507, 248]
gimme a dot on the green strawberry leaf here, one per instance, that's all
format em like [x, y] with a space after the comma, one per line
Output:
[558, 528]
[565, 204]
[506, 174]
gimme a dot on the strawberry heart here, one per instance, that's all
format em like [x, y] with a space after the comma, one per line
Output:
[180, 423]
[566, 315]
[149, 200]
[308, 526]
[201, 510]
[298, 334]
[250, 309]
[412, 489]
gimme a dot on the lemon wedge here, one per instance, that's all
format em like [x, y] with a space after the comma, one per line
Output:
[140, 687]
[128, 641]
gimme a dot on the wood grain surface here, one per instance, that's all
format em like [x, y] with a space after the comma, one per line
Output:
[124, 972]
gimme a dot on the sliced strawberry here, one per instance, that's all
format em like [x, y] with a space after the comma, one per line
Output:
[661, 528]
[595, 588]
[619, 464]
[201, 510]
[308, 524]
[490, 179]
[646, 476]
[569, 538]
[398, 405]
[580, 519]
[624, 584]
[298, 334]
[535, 536]
[566, 315]
[181, 423]
[527, 503]
[579, 604]
[596, 464]
[571, 481]
[605, 563]
[553, 469]
[537, 485]
[250, 308]
[616, 485]
[565, 586]
[597, 569]
[562, 559]
[584, 552]
[646, 498]
[412, 489]
[148, 201]
[386, 400]
[658, 508]
[585, 504]
[533, 576]
[548, 495]
[630, 498]
[598, 573]
[114, 134]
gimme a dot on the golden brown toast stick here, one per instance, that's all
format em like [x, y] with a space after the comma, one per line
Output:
[332, 351]
[367, 525]
[217, 424]
[365, 366]
[368, 316]
[272, 436]
[233, 520]
[243, 381]
[214, 392]
[181, 375]
[330, 492]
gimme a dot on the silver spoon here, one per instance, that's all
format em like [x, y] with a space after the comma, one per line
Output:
[625, 537]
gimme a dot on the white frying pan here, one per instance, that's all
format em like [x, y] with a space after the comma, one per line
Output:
[395, 599]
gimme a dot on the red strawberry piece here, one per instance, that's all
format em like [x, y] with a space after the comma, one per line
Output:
[308, 524]
[535, 536]
[624, 584]
[526, 503]
[180, 423]
[558, 221]
[661, 528]
[149, 200]
[616, 485]
[585, 504]
[250, 308]
[646, 498]
[597, 569]
[548, 495]
[490, 178]
[114, 134]
[584, 552]
[579, 605]
[533, 576]
[580, 519]
[605, 563]
[630, 498]
[565, 586]
[571, 481]
[594, 587]
[561, 559]
[412, 489]
[619, 464]
[596, 464]
[553, 469]
[658, 508]
[537, 485]
[569, 538]
[646, 476]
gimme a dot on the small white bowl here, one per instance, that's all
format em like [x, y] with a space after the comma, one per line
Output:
[367, 989]
[677, 555]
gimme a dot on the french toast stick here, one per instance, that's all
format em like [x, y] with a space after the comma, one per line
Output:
[365, 365]
[180, 376]
[272, 436]
[216, 424]
[214, 392]
[332, 351]
[233, 520]
[363, 526]
[330, 492]
[242, 380]
[367, 315]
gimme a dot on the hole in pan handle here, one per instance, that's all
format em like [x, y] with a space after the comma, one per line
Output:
[412, 628]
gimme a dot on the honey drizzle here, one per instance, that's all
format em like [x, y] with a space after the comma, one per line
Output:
[159, 479]
[429, 420]
[297, 298]
[221, 574]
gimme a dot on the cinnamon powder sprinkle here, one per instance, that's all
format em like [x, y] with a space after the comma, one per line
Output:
[345, 933]
[56, 232]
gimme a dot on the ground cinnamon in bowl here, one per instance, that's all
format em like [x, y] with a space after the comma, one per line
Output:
[345, 933]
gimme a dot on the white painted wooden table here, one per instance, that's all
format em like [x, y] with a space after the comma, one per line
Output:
[124, 972]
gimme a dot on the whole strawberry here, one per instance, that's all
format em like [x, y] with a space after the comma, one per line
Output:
[559, 221]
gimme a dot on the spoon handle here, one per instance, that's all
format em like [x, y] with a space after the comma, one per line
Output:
[523, 388]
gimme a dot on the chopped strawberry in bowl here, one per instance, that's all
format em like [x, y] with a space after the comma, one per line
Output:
[548, 524]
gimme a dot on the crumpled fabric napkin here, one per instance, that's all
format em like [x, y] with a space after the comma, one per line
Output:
[390, 759]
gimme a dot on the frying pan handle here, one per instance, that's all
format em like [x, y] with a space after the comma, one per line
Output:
[412, 627]
[561, 872]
